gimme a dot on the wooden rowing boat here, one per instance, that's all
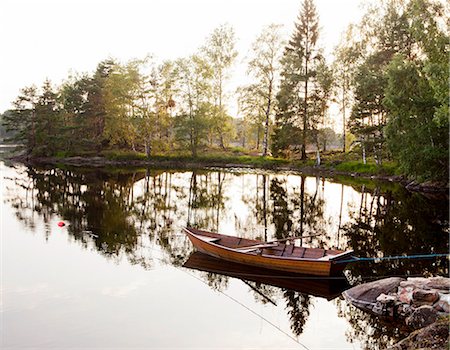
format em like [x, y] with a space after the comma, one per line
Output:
[328, 288]
[271, 255]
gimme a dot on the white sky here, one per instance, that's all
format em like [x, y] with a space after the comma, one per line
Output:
[49, 38]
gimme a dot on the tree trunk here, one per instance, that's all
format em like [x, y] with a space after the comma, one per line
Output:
[343, 117]
[258, 131]
[148, 149]
[318, 151]
[305, 106]
[364, 153]
[266, 125]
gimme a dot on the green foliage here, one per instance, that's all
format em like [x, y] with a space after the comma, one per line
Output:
[391, 71]
[124, 155]
[401, 88]
[369, 168]
[297, 109]
[411, 102]
[417, 99]
[220, 53]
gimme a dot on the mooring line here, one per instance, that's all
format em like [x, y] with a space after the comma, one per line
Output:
[233, 299]
[398, 257]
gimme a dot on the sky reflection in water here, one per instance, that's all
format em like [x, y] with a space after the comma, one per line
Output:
[113, 276]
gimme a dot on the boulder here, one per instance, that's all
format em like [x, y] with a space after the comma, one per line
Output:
[405, 294]
[443, 304]
[386, 298]
[422, 296]
[422, 316]
[441, 283]
[365, 295]
[434, 336]
[415, 283]
[404, 310]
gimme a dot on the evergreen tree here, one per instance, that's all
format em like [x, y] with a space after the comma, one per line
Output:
[22, 118]
[37, 121]
[299, 64]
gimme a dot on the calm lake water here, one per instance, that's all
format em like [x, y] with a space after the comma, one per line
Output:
[113, 276]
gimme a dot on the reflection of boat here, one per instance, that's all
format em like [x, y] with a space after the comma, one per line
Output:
[328, 288]
[272, 255]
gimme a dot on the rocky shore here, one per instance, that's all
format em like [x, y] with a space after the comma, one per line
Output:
[422, 304]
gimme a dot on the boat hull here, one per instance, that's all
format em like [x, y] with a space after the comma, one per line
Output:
[313, 267]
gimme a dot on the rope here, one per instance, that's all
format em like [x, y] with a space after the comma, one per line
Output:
[252, 311]
[233, 299]
[398, 257]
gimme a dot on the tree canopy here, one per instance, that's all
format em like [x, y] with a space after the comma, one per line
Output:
[389, 79]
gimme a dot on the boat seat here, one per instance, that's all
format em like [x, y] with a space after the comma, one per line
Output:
[248, 249]
[211, 239]
[325, 258]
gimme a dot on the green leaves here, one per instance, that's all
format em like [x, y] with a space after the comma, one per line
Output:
[296, 104]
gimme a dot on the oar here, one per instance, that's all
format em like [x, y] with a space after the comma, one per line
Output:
[292, 238]
[270, 244]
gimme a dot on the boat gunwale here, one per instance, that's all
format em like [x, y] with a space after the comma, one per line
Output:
[267, 256]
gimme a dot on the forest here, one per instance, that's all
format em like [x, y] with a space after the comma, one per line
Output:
[388, 76]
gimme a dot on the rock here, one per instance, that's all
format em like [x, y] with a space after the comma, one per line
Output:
[415, 283]
[444, 303]
[434, 336]
[421, 296]
[404, 310]
[365, 295]
[421, 317]
[386, 299]
[441, 283]
[405, 294]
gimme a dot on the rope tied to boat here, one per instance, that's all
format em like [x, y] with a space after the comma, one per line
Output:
[397, 257]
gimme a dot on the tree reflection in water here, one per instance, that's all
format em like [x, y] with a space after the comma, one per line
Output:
[135, 213]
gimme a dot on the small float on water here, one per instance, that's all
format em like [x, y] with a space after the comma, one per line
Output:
[275, 255]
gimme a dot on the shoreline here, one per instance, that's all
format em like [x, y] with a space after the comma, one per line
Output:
[230, 163]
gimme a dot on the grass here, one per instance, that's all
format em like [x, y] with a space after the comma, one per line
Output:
[369, 169]
[233, 156]
[332, 160]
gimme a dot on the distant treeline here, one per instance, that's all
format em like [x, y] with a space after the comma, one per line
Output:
[389, 77]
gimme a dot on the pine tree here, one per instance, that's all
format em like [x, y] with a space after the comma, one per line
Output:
[299, 64]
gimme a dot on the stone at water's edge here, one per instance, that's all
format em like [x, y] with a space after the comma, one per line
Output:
[434, 336]
[440, 283]
[405, 294]
[419, 302]
[422, 316]
[444, 303]
[425, 296]
[396, 296]
[365, 295]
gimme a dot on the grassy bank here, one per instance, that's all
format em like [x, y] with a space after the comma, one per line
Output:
[335, 162]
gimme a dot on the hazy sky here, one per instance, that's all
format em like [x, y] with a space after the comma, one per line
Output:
[49, 38]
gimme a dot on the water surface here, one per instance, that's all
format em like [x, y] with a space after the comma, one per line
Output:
[113, 276]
